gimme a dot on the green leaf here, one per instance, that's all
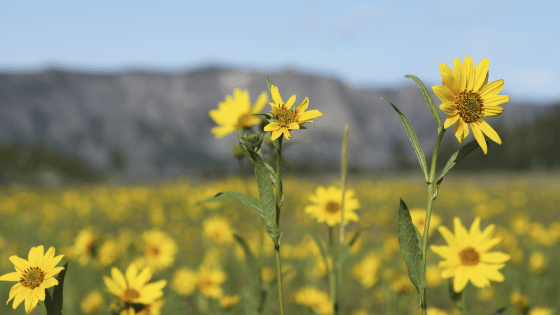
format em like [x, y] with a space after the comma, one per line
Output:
[413, 139]
[269, 84]
[54, 304]
[454, 159]
[268, 201]
[250, 310]
[253, 269]
[248, 201]
[410, 242]
[428, 99]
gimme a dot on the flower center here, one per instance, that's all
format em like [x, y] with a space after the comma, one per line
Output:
[469, 257]
[332, 207]
[152, 251]
[243, 121]
[470, 106]
[285, 116]
[32, 277]
[130, 295]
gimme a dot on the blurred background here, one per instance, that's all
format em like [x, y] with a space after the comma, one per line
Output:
[121, 90]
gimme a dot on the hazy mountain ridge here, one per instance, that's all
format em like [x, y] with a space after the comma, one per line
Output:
[160, 121]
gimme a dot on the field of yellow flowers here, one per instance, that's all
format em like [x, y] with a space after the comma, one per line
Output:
[193, 246]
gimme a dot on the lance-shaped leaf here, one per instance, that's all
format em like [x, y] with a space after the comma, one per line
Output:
[454, 159]
[269, 84]
[253, 269]
[413, 139]
[54, 304]
[410, 242]
[428, 99]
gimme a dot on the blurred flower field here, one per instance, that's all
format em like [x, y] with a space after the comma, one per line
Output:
[191, 245]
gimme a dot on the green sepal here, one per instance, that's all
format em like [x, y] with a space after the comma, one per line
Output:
[453, 160]
[410, 242]
[428, 99]
[253, 270]
[413, 139]
[269, 84]
[54, 304]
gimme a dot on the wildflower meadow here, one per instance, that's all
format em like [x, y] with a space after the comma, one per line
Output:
[272, 241]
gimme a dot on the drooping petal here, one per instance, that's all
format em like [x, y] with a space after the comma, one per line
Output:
[15, 290]
[459, 130]
[480, 138]
[276, 134]
[451, 119]
[489, 131]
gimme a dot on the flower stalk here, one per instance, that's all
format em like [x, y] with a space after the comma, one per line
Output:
[278, 145]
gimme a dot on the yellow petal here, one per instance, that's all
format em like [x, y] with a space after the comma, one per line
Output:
[143, 277]
[448, 78]
[276, 95]
[492, 89]
[449, 108]
[276, 134]
[20, 263]
[459, 74]
[451, 119]
[287, 134]
[291, 101]
[118, 277]
[459, 130]
[494, 101]
[130, 275]
[481, 74]
[312, 114]
[293, 125]
[444, 93]
[222, 131]
[494, 257]
[489, 131]
[15, 290]
[272, 126]
[469, 72]
[260, 103]
[112, 287]
[460, 281]
[303, 105]
[12, 276]
[480, 138]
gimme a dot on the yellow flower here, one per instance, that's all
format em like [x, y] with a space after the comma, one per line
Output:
[367, 270]
[435, 311]
[419, 220]
[327, 203]
[33, 275]
[184, 281]
[466, 97]
[540, 311]
[520, 301]
[209, 281]
[229, 301]
[93, 302]
[159, 249]
[467, 258]
[218, 230]
[537, 262]
[314, 298]
[286, 118]
[131, 288]
[235, 113]
[85, 246]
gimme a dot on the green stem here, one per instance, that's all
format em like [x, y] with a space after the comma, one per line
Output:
[332, 271]
[431, 185]
[276, 239]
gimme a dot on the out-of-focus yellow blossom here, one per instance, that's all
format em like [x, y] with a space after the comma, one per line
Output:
[85, 246]
[467, 257]
[33, 276]
[327, 205]
[435, 311]
[390, 246]
[93, 302]
[209, 280]
[184, 281]
[235, 112]
[540, 311]
[519, 301]
[159, 250]
[152, 309]
[367, 270]
[433, 276]
[285, 118]
[267, 274]
[537, 262]
[418, 216]
[108, 252]
[402, 285]
[520, 223]
[218, 230]
[311, 297]
[485, 294]
[157, 214]
[229, 301]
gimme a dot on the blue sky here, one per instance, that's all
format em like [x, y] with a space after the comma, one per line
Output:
[364, 43]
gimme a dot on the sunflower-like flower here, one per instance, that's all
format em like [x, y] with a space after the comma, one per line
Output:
[34, 276]
[466, 97]
[466, 255]
[132, 288]
[327, 204]
[159, 250]
[313, 298]
[235, 113]
[285, 118]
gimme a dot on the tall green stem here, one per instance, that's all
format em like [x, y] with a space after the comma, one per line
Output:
[431, 184]
[276, 239]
